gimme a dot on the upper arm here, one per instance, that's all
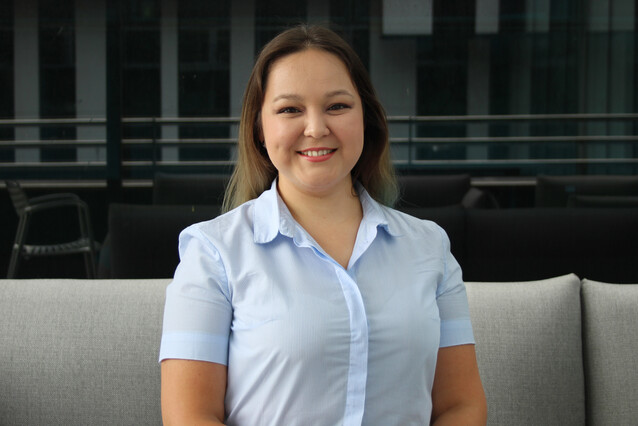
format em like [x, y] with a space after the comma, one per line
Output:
[193, 392]
[198, 309]
[457, 393]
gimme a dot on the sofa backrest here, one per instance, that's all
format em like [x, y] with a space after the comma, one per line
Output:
[532, 244]
[560, 191]
[80, 352]
[85, 352]
[610, 318]
[529, 350]
[432, 190]
[189, 189]
[143, 238]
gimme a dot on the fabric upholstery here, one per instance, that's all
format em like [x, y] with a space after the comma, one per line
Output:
[190, 189]
[610, 317]
[80, 352]
[491, 245]
[558, 191]
[598, 201]
[143, 238]
[533, 244]
[432, 190]
[84, 352]
[529, 349]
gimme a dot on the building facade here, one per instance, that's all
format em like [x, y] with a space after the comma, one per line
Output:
[500, 88]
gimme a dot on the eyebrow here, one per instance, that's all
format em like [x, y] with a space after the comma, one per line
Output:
[293, 97]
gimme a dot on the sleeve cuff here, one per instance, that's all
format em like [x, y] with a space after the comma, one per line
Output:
[194, 346]
[456, 332]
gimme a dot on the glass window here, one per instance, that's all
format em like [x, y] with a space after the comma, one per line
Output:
[6, 78]
[57, 75]
[273, 16]
[141, 96]
[351, 20]
[204, 76]
[465, 59]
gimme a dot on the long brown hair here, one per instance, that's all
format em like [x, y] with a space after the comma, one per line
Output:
[254, 172]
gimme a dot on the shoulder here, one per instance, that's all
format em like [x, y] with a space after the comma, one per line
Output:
[402, 223]
[235, 224]
[420, 235]
[397, 223]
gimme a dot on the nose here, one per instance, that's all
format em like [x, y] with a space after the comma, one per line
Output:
[316, 126]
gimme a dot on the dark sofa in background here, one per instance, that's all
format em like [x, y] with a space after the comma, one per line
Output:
[142, 239]
[490, 245]
[586, 191]
[524, 244]
[189, 189]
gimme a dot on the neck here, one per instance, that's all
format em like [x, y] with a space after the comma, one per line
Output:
[338, 206]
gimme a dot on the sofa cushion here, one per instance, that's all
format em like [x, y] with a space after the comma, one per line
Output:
[529, 350]
[77, 352]
[610, 317]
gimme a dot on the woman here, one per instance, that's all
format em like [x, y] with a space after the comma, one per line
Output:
[310, 302]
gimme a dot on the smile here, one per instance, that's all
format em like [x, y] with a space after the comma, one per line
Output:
[317, 153]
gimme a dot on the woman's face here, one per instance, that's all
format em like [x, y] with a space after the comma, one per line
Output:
[312, 123]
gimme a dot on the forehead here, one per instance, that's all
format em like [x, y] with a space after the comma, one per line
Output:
[308, 69]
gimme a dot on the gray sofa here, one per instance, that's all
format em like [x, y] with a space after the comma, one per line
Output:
[84, 352]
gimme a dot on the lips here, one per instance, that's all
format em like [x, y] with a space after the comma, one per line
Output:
[316, 152]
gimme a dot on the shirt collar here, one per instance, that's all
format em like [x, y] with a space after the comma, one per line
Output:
[374, 214]
[266, 215]
[271, 215]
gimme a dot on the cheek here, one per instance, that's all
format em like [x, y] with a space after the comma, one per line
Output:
[277, 133]
[354, 132]
[278, 142]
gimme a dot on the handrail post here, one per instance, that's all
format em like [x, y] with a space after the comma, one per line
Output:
[114, 99]
[154, 130]
[410, 126]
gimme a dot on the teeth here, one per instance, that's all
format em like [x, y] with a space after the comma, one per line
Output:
[317, 153]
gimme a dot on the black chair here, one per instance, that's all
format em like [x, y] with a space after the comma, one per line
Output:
[27, 207]
[567, 191]
[189, 189]
[425, 191]
[610, 201]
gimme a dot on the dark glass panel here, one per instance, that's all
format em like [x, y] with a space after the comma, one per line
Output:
[141, 46]
[6, 75]
[204, 75]
[56, 42]
[351, 20]
[273, 16]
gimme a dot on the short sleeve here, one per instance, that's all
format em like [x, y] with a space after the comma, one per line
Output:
[198, 311]
[451, 297]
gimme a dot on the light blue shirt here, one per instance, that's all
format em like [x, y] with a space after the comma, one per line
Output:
[306, 341]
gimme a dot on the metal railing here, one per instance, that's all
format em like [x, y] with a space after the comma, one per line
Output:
[500, 145]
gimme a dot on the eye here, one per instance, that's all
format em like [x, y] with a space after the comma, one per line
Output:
[337, 107]
[288, 110]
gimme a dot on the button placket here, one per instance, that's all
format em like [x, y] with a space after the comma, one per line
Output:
[358, 362]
